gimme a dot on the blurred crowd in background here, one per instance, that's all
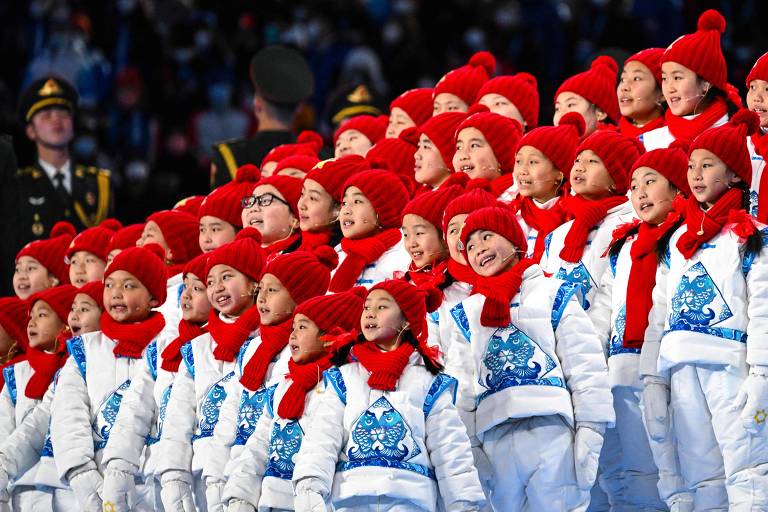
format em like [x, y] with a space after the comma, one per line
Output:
[161, 81]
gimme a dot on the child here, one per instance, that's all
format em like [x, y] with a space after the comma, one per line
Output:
[25, 455]
[458, 88]
[705, 333]
[308, 143]
[409, 110]
[102, 364]
[694, 83]
[13, 337]
[372, 247]
[397, 155]
[40, 264]
[123, 239]
[639, 92]
[261, 475]
[88, 252]
[87, 307]
[515, 97]
[296, 166]
[219, 216]
[620, 315]
[232, 274]
[272, 209]
[757, 101]
[142, 410]
[592, 94]
[433, 160]
[539, 369]
[599, 180]
[543, 159]
[263, 360]
[387, 435]
[358, 134]
[190, 205]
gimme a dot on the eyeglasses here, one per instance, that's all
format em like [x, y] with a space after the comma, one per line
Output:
[263, 200]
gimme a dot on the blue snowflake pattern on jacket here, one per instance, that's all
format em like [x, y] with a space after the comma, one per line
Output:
[697, 304]
[107, 414]
[617, 336]
[578, 275]
[251, 407]
[284, 444]
[210, 408]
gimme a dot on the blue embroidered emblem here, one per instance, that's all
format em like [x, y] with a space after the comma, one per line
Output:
[578, 275]
[10, 381]
[284, 444]
[753, 203]
[210, 408]
[613, 260]
[512, 358]
[381, 431]
[441, 383]
[563, 295]
[697, 301]
[333, 377]
[241, 354]
[251, 409]
[160, 416]
[617, 336]
[77, 351]
[188, 357]
[47, 450]
[434, 317]
[151, 355]
[107, 414]
[547, 241]
[749, 257]
[460, 317]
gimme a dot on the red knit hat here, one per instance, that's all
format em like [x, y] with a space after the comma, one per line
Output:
[244, 254]
[385, 191]
[196, 266]
[125, 238]
[466, 81]
[398, 152]
[181, 232]
[332, 173]
[650, 58]
[288, 186]
[189, 205]
[13, 318]
[759, 71]
[617, 151]
[558, 143]
[597, 85]
[441, 130]
[95, 290]
[147, 264]
[473, 199]
[50, 252]
[414, 302]
[700, 52]
[521, 90]
[304, 163]
[500, 220]
[95, 240]
[60, 299]
[431, 205]
[671, 162]
[373, 127]
[225, 202]
[502, 134]
[306, 274]
[308, 143]
[729, 142]
[335, 311]
[417, 103]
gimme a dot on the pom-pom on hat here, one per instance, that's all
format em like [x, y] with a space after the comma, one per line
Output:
[125, 237]
[308, 143]
[95, 290]
[386, 192]
[671, 162]
[51, 252]
[305, 274]
[617, 151]
[332, 173]
[288, 186]
[417, 103]
[502, 133]
[701, 52]
[244, 254]
[729, 142]
[650, 58]
[500, 220]
[466, 81]
[597, 85]
[521, 89]
[558, 143]
[373, 127]
[337, 311]
[759, 71]
[60, 299]
[181, 232]
[225, 202]
[147, 264]
[95, 240]
[441, 130]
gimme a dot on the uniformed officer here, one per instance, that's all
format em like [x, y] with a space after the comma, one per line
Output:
[282, 80]
[56, 188]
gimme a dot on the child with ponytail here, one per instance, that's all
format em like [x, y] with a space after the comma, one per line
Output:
[639, 92]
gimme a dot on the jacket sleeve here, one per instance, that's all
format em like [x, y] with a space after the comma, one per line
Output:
[460, 365]
[757, 308]
[21, 450]
[600, 311]
[71, 435]
[175, 445]
[451, 454]
[584, 365]
[649, 353]
[247, 470]
[7, 408]
[225, 431]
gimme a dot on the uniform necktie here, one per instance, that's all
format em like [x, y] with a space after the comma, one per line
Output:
[58, 181]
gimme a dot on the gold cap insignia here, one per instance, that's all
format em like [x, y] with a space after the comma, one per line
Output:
[359, 95]
[49, 88]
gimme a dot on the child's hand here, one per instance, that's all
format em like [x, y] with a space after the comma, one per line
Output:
[86, 482]
[240, 506]
[587, 447]
[176, 492]
[753, 400]
[656, 404]
[213, 490]
[119, 486]
[309, 501]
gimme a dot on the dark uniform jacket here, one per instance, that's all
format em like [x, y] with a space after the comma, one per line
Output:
[231, 154]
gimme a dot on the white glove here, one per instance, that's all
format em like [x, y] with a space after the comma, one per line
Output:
[4, 479]
[176, 491]
[656, 405]
[309, 501]
[86, 483]
[119, 488]
[753, 400]
[587, 447]
[240, 506]
[483, 465]
[213, 490]
[5, 498]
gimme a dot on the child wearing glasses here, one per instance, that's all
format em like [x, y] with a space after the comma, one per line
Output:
[272, 208]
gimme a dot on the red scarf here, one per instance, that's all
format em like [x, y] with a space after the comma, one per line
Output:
[499, 291]
[313, 239]
[542, 220]
[132, 338]
[274, 338]
[630, 129]
[359, 253]
[171, 355]
[304, 378]
[502, 184]
[703, 226]
[642, 275]
[463, 273]
[587, 214]
[230, 337]
[431, 276]
[277, 248]
[45, 366]
[385, 367]
[760, 140]
[689, 129]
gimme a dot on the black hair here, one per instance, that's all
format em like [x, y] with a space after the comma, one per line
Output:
[616, 246]
[663, 242]
[284, 113]
[754, 242]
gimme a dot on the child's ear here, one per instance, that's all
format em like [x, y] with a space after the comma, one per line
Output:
[600, 115]
[53, 280]
[153, 303]
[169, 255]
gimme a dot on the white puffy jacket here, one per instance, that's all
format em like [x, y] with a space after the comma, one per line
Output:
[531, 233]
[662, 137]
[758, 165]
[395, 259]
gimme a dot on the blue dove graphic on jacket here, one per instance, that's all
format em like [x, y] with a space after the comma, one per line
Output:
[210, 407]
[284, 444]
[578, 275]
[697, 303]
[617, 337]
[251, 406]
[106, 415]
